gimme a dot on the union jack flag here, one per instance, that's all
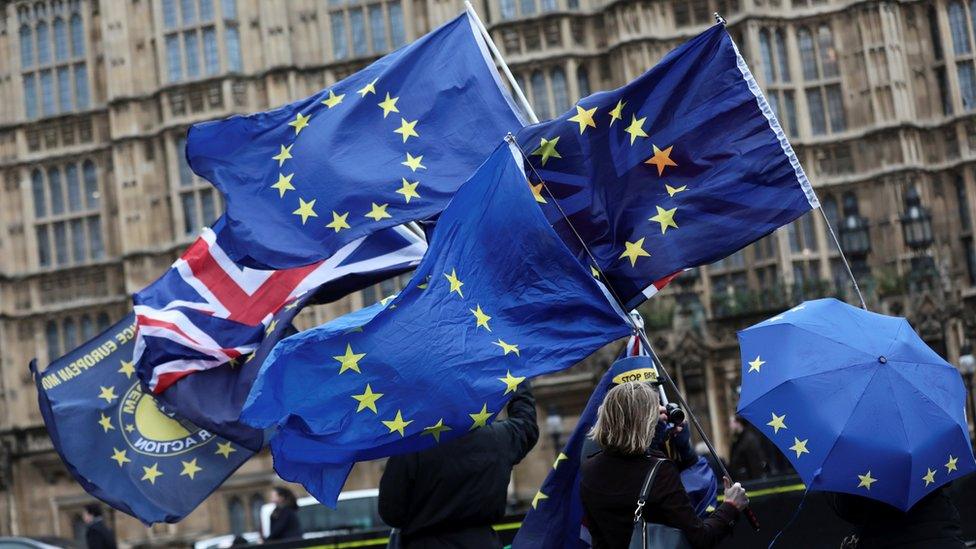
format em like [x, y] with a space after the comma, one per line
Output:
[207, 310]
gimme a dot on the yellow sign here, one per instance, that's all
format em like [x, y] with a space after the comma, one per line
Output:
[640, 374]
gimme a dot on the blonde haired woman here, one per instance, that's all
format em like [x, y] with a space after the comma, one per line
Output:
[612, 478]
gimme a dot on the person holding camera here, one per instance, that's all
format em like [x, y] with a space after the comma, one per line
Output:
[612, 477]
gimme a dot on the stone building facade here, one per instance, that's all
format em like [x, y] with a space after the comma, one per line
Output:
[878, 97]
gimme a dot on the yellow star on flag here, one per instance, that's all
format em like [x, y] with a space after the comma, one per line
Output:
[661, 159]
[636, 128]
[408, 189]
[225, 449]
[271, 326]
[413, 162]
[800, 446]
[436, 429]
[378, 212]
[106, 423]
[107, 393]
[300, 122]
[455, 282]
[283, 184]
[665, 218]
[127, 368]
[594, 272]
[306, 209]
[951, 464]
[397, 423]
[617, 112]
[119, 456]
[584, 117]
[367, 400]
[350, 360]
[537, 193]
[407, 129]
[150, 473]
[755, 365]
[338, 221]
[539, 496]
[633, 250]
[866, 480]
[332, 100]
[511, 382]
[547, 149]
[480, 318]
[129, 428]
[559, 458]
[673, 191]
[777, 422]
[507, 347]
[480, 419]
[389, 105]
[285, 154]
[929, 477]
[190, 468]
[368, 88]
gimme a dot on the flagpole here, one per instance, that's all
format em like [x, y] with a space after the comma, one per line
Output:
[847, 265]
[501, 61]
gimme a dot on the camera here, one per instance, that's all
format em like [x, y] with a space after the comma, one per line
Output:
[675, 414]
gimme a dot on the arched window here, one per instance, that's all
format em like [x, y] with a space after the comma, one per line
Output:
[957, 26]
[70, 334]
[64, 89]
[87, 328]
[559, 92]
[507, 9]
[766, 50]
[254, 506]
[81, 86]
[26, 47]
[53, 341]
[75, 202]
[849, 201]
[43, 246]
[809, 232]
[828, 55]
[233, 43]
[540, 95]
[235, 511]
[37, 189]
[55, 190]
[30, 95]
[782, 57]
[583, 81]
[43, 43]
[808, 58]
[91, 184]
[60, 40]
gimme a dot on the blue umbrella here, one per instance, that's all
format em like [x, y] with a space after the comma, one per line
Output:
[856, 401]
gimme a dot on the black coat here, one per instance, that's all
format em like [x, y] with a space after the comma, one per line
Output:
[747, 458]
[285, 524]
[932, 523]
[610, 485]
[99, 536]
[451, 494]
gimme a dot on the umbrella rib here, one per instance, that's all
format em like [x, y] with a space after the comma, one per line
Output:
[922, 394]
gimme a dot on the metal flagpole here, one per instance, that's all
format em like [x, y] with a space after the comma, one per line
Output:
[847, 265]
[501, 61]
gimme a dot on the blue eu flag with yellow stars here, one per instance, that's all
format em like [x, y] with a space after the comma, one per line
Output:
[115, 440]
[681, 167]
[387, 145]
[496, 300]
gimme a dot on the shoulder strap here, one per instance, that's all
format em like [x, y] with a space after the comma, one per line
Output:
[646, 489]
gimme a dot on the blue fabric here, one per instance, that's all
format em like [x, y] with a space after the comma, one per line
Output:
[556, 522]
[88, 430]
[425, 351]
[861, 393]
[733, 180]
[350, 157]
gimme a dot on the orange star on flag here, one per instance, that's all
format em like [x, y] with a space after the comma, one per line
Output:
[661, 159]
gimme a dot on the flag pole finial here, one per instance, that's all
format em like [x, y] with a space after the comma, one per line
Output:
[719, 19]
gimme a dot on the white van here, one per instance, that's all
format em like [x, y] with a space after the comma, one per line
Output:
[355, 512]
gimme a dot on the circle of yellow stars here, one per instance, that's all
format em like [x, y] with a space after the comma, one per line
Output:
[407, 130]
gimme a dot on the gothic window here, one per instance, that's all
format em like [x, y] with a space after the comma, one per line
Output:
[559, 92]
[958, 28]
[583, 81]
[67, 214]
[191, 37]
[540, 95]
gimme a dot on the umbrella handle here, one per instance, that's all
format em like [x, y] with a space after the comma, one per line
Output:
[751, 517]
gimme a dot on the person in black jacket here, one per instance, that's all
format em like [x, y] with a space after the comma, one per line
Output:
[612, 478]
[97, 534]
[284, 518]
[451, 494]
[747, 460]
[933, 522]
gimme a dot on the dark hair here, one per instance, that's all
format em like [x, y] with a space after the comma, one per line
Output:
[288, 498]
[93, 509]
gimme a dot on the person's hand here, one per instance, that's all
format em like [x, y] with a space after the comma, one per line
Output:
[736, 494]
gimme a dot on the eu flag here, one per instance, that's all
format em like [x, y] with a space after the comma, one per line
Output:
[681, 167]
[387, 145]
[496, 300]
[117, 443]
